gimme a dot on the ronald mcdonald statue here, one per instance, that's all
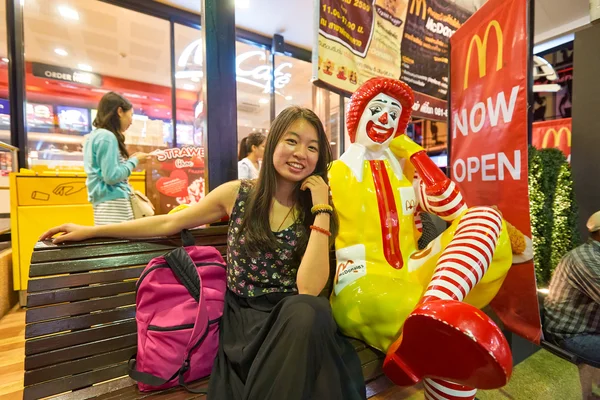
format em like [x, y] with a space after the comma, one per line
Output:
[421, 307]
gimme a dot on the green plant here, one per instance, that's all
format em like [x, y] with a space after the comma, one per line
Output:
[553, 210]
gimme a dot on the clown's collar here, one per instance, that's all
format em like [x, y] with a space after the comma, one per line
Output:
[356, 155]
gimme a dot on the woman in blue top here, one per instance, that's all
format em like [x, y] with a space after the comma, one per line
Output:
[252, 150]
[107, 162]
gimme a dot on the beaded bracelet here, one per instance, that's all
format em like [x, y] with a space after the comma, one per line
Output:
[318, 207]
[330, 212]
[321, 230]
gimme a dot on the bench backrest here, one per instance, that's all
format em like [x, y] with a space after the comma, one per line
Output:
[80, 319]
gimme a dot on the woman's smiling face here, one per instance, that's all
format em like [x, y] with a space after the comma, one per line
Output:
[297, 153]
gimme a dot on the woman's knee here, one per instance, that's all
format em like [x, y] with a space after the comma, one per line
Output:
[306, 312]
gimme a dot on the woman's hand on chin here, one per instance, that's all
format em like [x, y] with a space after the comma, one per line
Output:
[319, 190]
[70, 233]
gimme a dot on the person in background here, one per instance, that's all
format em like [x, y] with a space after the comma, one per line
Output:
[252, 149]
[107, 162]
[278, 336]
[572, 307]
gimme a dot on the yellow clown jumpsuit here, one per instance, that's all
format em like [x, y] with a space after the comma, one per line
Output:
[380, 277]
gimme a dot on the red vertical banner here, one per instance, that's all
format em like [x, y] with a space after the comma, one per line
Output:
[489, 127]
[553, 134]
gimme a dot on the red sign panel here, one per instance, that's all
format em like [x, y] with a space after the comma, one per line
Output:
[489, 122]
[553, 134]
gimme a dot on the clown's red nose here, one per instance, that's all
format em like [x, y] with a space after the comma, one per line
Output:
[383, 119]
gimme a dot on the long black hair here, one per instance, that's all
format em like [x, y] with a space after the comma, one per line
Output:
[108, 117]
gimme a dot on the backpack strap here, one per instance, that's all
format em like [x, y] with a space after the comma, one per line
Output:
[187, 239]
[184, 268]
[145, 377]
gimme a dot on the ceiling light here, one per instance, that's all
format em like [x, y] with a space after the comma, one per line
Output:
[263, 101]
[242, 3]
[61, 52]
[4, 59]
[288, 98]
[195, 79]
[189, 86]
[84, 67]
[68, 13]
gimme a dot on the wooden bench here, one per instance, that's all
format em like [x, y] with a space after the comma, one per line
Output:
[80, 320]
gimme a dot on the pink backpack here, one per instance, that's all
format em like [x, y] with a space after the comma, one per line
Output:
[179, 304]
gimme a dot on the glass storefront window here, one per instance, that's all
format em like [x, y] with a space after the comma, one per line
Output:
[178, 174]
[293, 86]
[346, 136]
[77, 51]
[188, 78]
[253, 77]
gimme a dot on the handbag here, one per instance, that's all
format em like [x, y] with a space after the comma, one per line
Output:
[141, 205]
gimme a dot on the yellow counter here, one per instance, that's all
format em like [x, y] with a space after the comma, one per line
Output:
[40, 201]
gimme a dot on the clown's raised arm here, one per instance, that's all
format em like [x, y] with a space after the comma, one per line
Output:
[436, 193]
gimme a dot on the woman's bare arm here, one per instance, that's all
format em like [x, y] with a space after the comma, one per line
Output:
[210, 209]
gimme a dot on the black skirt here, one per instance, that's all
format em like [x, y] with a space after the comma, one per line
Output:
[283, 346]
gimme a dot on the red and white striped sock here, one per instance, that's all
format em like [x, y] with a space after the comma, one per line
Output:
[468, 256]
[438, 389]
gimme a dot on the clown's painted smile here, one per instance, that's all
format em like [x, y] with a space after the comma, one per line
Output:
[379, 122]
[377, 133]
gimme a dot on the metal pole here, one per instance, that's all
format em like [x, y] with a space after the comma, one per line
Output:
[219, 91]
[16, 79]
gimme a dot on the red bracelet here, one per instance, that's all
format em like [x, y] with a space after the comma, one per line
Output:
[323, 231]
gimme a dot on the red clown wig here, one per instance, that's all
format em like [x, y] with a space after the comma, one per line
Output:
[371, 88]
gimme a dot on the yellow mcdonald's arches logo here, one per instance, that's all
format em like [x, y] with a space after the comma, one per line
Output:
[557, 136]
[416, 6]
[481, 46]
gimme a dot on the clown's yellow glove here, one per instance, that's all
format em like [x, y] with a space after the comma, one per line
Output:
[403, 147]
[432, 176]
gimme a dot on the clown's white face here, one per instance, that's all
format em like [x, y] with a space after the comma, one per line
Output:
[379, 122]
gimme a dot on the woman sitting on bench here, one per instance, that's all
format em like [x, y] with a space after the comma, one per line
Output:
[278, 339]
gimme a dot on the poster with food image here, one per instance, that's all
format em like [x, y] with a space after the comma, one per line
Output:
[357, 40]
[177, 177]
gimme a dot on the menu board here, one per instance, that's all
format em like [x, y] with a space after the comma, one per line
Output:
[73, 119]
[425, 45]
[4, 113]
[40, 116]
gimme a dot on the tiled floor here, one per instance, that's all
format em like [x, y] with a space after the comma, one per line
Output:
[12, 354]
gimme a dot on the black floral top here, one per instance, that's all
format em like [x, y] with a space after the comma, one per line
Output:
[269, 272]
